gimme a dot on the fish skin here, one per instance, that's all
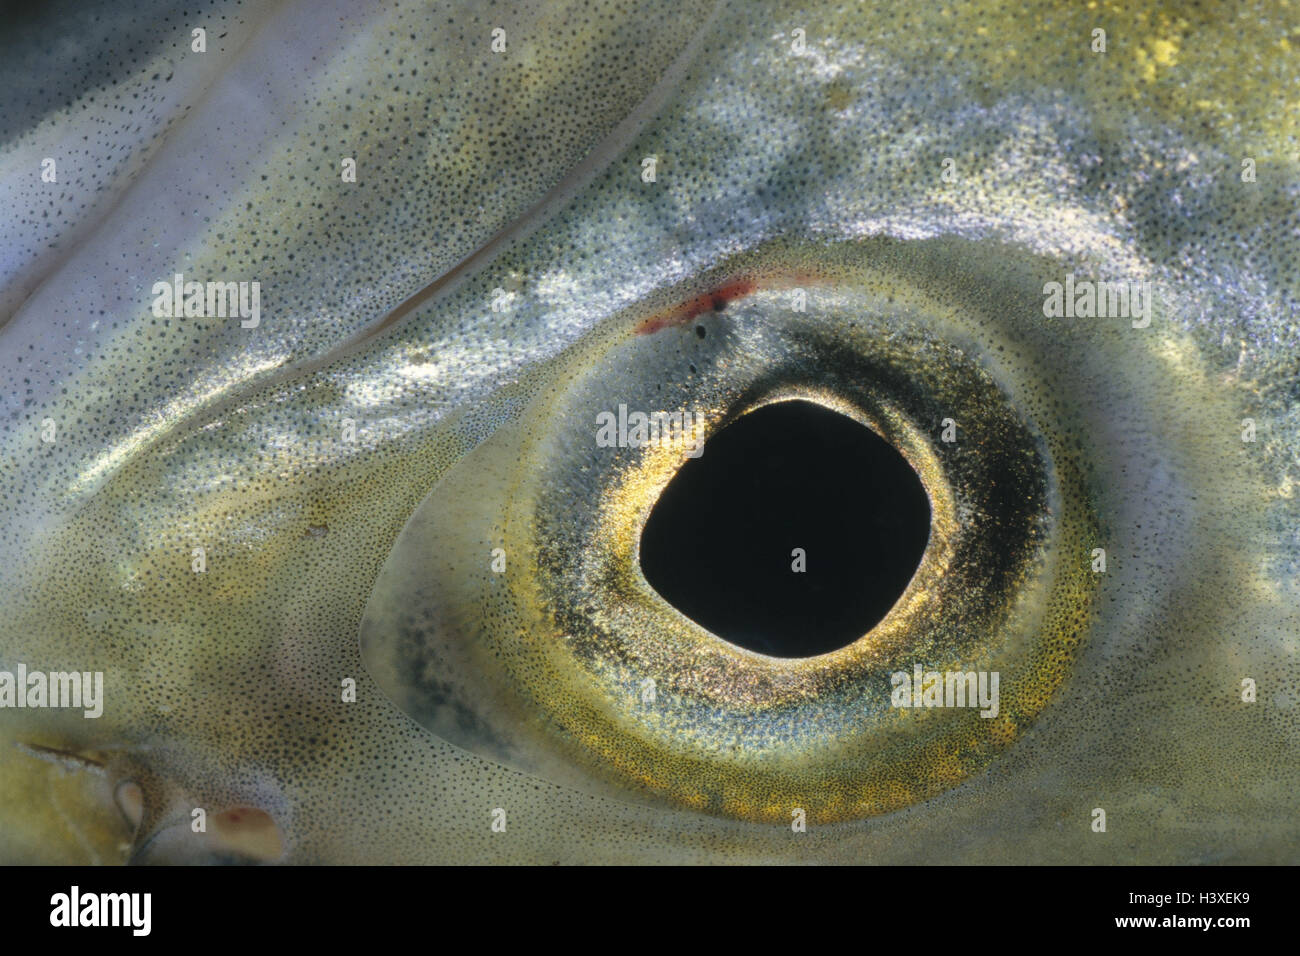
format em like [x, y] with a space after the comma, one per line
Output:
[98, 95]
[226, 686]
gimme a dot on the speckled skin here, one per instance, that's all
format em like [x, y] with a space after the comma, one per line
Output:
[516, 176]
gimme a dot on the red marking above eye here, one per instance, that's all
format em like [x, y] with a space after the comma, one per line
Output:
[714, 301]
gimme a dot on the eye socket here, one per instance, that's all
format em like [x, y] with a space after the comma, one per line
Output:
[729, 540]
[512, 617]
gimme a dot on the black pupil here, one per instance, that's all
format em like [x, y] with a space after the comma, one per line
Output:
[719, 542]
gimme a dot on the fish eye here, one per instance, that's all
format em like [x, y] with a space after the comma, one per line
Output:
[516, 616]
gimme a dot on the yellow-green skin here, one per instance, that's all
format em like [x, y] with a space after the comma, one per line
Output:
[813, 159]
